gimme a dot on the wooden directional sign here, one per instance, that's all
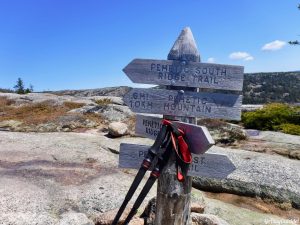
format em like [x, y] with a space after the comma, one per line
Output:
[182, 69]
[191, 104]
[206, 165]
[197, 137]
[186, 74]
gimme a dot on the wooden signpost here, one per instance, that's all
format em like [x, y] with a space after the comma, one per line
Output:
[197, 137]
[206, 165]
[182, 74]
[185, 103]
[192, 74]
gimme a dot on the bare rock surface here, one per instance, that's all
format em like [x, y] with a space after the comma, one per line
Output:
[41, 97]
[47, 178]
[113, 112]
[267, 176]
[110, 112]
[273, 143]
[73, 218]
[32, 98]
[197, 208]
[72, 178]
[223, 132]
[108, 91]
[207, 219]
[279, 137]
[117, 129]
[234, 215]
[206, 210]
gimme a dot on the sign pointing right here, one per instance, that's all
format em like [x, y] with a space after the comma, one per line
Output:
[185, 74]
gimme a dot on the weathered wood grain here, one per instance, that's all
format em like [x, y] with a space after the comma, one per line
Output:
[206, 165]
[190, 104]
[189, 74]
[185, 47]
[173, 198]
[197, 137]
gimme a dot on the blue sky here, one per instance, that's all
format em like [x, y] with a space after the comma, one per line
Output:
[79, 44]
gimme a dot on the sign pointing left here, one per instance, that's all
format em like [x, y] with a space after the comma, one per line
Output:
[180, 103]
[191, 74]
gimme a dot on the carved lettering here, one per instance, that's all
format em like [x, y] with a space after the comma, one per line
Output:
[140, 96]
[205, 79]
[194, 167]
[187, 108]
[171, 76]
[152, 124]
[151, 131]
[164, 68]
[141, 104]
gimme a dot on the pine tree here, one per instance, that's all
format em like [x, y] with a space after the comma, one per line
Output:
[29, 90]
[19, 87]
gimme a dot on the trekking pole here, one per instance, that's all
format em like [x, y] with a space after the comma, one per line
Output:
[175, 144]
[161, 163]
[146, 164]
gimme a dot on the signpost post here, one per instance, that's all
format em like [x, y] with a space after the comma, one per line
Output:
[182, 74]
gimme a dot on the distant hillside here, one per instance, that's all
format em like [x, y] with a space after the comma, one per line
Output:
[259, 88]
[262, 88]
[109, 91]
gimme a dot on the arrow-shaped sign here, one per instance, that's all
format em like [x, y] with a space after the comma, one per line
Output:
[186, 74]
[179, 103]
[207, 165]
[197, 137]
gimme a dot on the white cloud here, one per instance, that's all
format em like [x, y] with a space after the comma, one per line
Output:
[211, 60]
[241, 55]
[249, 58]
[274, 45]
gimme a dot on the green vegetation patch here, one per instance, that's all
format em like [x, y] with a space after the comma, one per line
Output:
[289, 128]
[261, 88]
[274, 117]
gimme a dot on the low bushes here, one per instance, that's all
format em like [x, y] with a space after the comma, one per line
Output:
[38, 113]
[289, 128]
[73, 105]
[103, 101]
[4, 102]
[275, 116]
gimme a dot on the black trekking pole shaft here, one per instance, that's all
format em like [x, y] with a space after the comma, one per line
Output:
[143, 169]
[161, 163]
[140, 199]
[133, 187]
